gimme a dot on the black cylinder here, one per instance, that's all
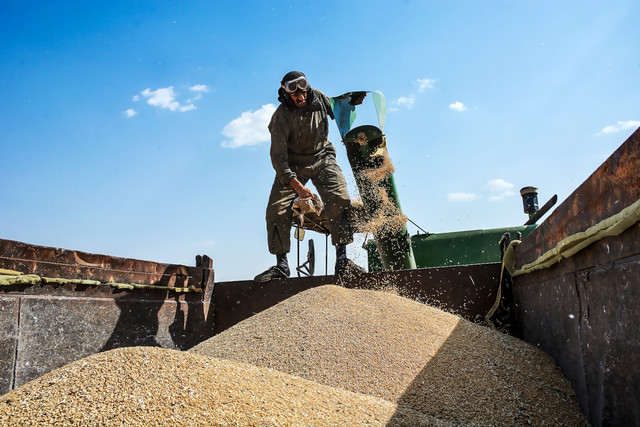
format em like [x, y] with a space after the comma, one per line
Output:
[530, 200]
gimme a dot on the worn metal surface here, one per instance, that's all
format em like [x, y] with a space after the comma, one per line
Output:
[9, 309]
[469, 290]
[611, 188]
[70, 264]
[45, 326]
[57, 329]
[583, 311]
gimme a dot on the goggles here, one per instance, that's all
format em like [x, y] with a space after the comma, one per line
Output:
[292, 86]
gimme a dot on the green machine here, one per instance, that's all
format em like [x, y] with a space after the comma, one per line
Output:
[367, 153]
[455, 248]
[393, 248]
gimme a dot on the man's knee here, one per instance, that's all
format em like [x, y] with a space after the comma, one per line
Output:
[278, 238]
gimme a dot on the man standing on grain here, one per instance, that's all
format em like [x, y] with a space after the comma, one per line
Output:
[301, 151]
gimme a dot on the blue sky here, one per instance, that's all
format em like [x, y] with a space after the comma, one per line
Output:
[138, 129]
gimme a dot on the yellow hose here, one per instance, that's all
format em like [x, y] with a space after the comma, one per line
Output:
[569, 246]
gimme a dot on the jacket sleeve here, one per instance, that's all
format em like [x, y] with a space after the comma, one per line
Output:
[280, 132]
[326, 102]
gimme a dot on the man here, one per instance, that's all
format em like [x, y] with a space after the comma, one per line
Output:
[301, 151]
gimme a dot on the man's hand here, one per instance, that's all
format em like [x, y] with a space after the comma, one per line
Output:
[303, 192]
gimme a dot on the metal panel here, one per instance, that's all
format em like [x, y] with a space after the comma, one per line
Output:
[612, 187]
[611, 326]
[45, 326]
[550, 315]
[69, 264]
[469, 290]
[598, 348]
[55, 331]
[9, 309]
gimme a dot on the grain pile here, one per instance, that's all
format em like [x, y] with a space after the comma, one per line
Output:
[151, 386]
[404, 352]
[327, 356]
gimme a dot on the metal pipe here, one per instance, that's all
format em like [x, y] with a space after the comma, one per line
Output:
[373, 171]
[543, 210]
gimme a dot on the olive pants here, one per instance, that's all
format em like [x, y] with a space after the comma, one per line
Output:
[329, 181]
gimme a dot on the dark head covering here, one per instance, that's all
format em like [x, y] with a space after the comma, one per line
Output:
[290, 76]
[284, 97]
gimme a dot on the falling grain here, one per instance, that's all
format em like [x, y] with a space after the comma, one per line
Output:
[384, 217]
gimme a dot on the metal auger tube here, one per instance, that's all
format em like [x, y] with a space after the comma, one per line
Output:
[373, 171]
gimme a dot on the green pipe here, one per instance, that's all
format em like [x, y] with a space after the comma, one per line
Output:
[373, 171]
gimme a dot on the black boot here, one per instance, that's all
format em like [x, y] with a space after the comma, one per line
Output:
[271, 273]
[278, 271]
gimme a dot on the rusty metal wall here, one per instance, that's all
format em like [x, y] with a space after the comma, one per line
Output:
[70, 264]
[45, 326]
[41, 333]
[585, 310]
[9, 315]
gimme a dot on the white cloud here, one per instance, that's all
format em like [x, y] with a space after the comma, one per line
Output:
[405, 101]
[199, 88]
[251, 128]
[501, 196]
[426, 84]
[620, 126]
[166, 98]
[195, 98]
[130, 112]
[497, 185]
[206, 243]
[408, 101]
[461, 197]
[458, 106]
[500, 186]
[163, 98]
[135, 98]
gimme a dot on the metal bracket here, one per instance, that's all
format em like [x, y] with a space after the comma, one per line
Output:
[309, 266]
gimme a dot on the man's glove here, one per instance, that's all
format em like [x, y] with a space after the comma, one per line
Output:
[357, 98]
